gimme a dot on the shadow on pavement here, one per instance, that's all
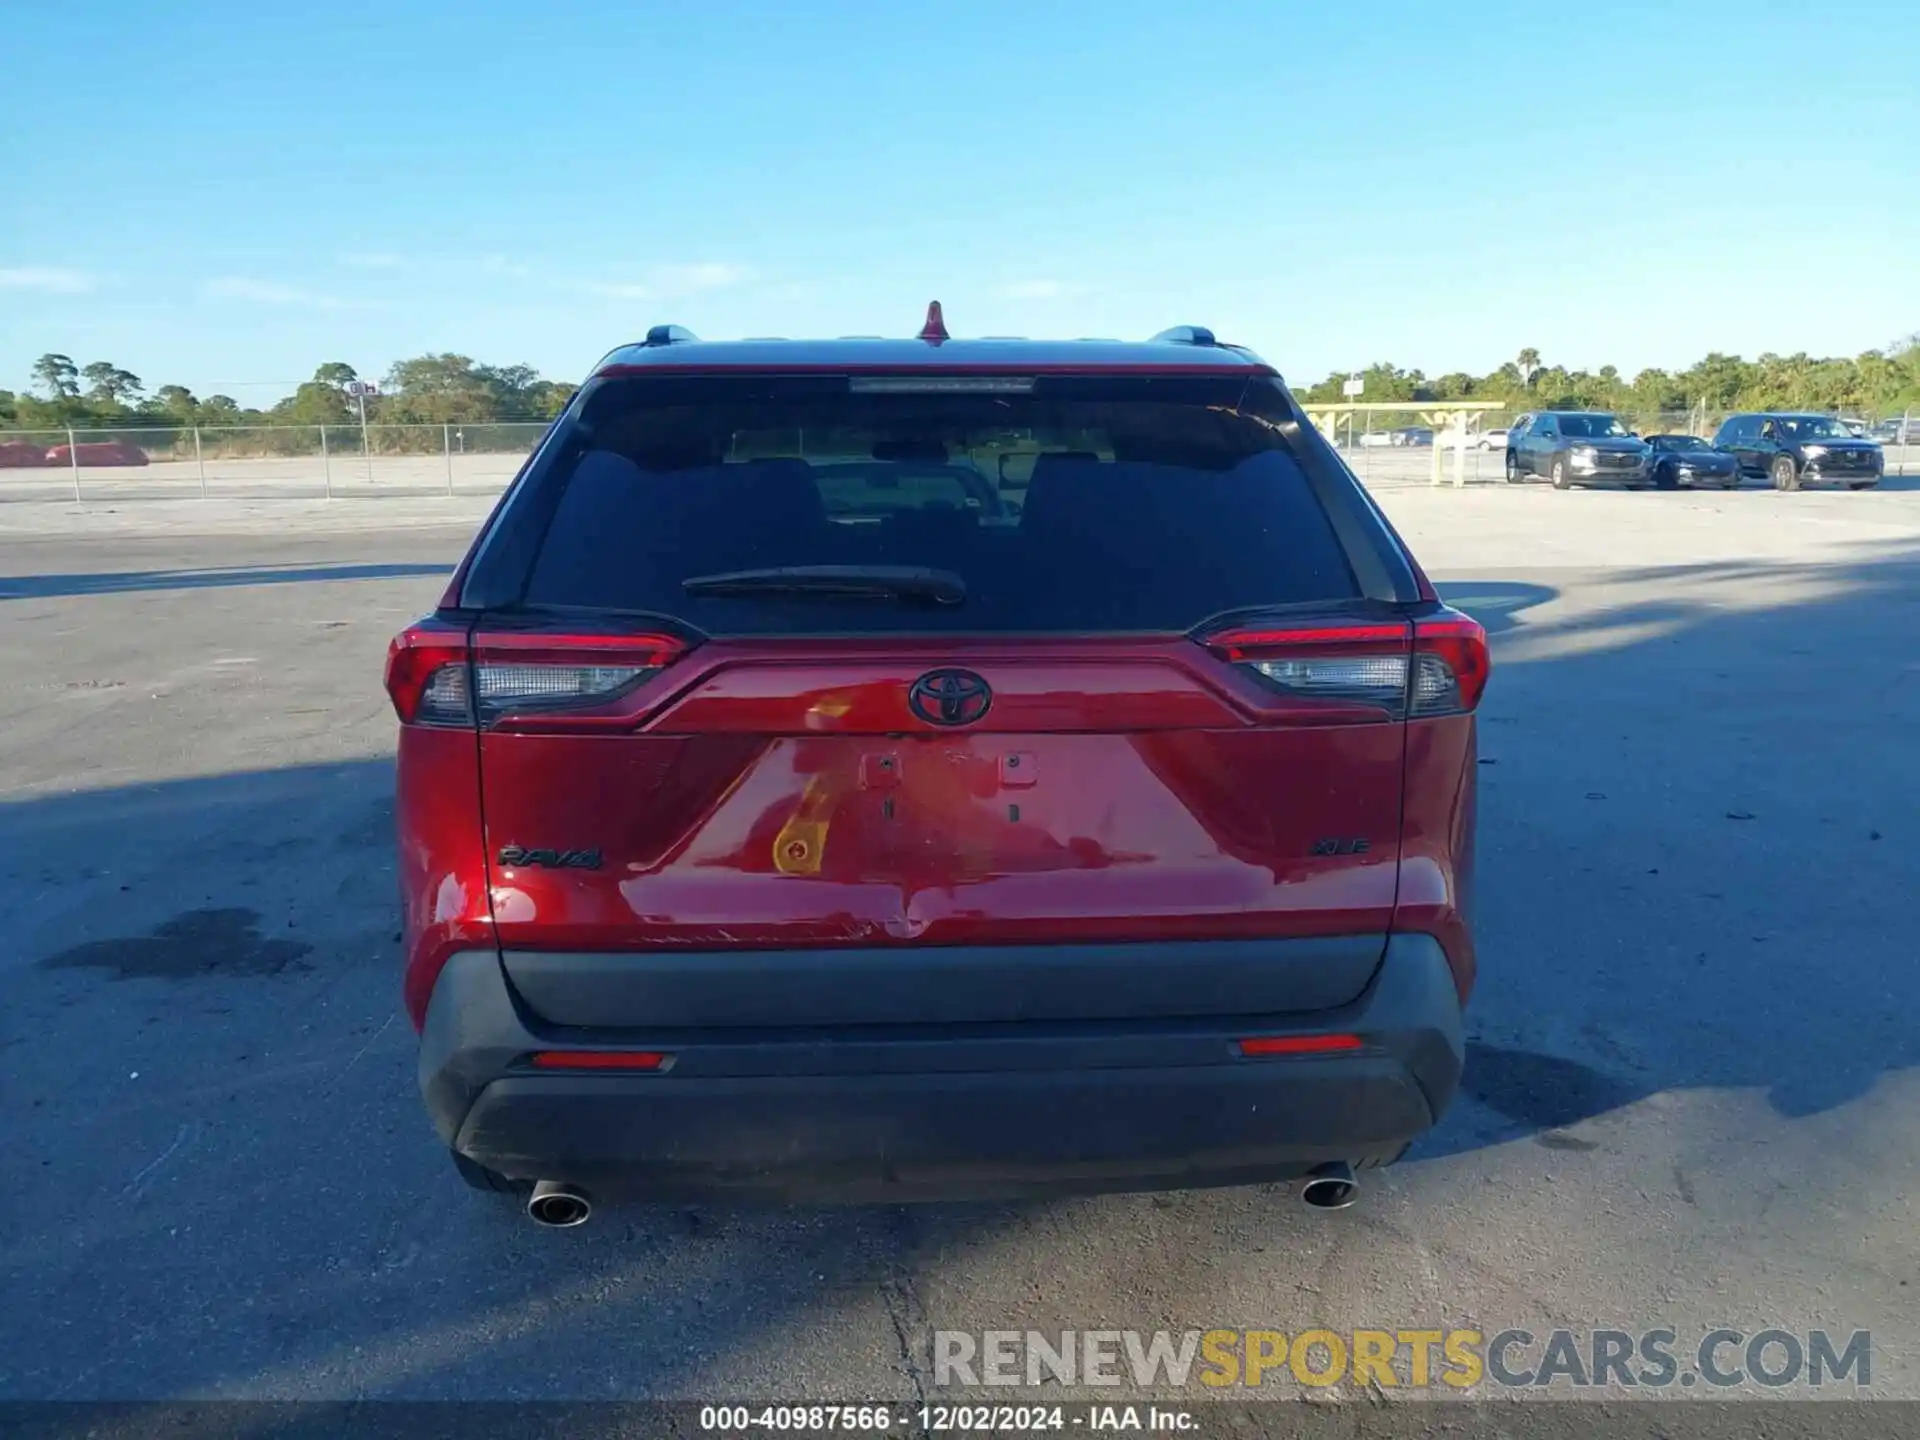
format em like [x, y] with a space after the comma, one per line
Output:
[1695, 837]
[1695, 819]
[120, 582]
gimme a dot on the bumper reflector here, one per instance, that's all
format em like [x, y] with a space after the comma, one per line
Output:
[600, 1060]
[1300, 1044]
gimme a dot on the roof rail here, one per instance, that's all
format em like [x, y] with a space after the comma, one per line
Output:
[1185, 335]
[670, 335]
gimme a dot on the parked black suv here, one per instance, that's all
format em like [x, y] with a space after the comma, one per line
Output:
[1576, 447]
[1790, 449]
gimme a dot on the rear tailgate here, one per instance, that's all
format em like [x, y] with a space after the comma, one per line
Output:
[1180, 794]
[759, 812]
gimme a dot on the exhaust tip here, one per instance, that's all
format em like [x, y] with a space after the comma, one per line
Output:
[1331, 1187]
[558, 1206]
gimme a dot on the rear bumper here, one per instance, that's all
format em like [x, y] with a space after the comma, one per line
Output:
[943, 1111]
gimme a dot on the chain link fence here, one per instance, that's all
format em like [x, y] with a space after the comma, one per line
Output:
[1384, 445]
[1395, 444]
[263, 461]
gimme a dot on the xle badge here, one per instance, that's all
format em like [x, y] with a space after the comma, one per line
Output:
[550, 859]
[1331, 846]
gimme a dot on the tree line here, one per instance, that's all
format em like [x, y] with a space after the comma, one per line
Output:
[427, 390]
[456, 390]
[1872, 385]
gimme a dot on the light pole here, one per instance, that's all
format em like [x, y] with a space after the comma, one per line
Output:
[360, 390]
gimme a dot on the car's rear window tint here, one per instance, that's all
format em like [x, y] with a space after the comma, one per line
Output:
[1111, 505]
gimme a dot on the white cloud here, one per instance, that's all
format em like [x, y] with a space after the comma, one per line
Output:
[268, 292]
[652, 284]
[49, 279]
[617, 290]
[669, 282]
[688, 279]
[373, 260]
[1040, 290]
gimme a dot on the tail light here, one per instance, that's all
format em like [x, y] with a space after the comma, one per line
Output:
[438, 676]
[427, 675]
[1436, 665]
[1451, 663]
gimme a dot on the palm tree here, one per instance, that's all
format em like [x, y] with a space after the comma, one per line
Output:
[108, 384]
[1528, 364]
[59, 375]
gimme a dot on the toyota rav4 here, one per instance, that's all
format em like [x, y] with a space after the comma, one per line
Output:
[934, 768]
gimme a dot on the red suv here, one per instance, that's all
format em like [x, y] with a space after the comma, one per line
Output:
[935, 768]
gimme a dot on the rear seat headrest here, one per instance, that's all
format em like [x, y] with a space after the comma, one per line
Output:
[693, 453]
[1058, 478]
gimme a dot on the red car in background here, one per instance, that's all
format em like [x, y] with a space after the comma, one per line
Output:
[21, 455]
[102, 452]
[932, 768]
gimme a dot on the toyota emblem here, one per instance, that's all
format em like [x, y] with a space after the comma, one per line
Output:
[950, 697]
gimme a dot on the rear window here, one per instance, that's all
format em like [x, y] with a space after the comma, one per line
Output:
[1123, 504]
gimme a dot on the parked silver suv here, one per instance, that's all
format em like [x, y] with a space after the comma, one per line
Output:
[1577, 447]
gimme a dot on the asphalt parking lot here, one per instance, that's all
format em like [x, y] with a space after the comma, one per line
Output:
[1692, 1088]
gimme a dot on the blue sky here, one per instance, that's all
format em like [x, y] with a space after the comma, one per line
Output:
[226, 196]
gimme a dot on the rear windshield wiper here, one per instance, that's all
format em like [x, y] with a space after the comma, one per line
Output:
[866, 582]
